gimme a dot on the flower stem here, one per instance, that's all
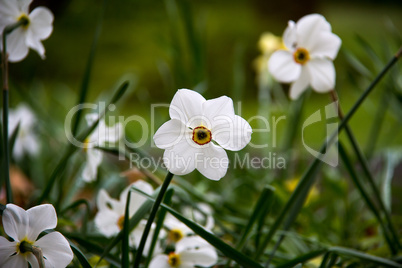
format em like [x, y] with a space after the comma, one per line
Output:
[392, 244]
[151, 218]
[6, 154]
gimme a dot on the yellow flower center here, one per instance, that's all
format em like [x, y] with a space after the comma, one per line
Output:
[25, 20]
[301, 55]
[174, 259]
[120, 222]
[24, 247]
[201, 135]
[86, 144]
[175, 235]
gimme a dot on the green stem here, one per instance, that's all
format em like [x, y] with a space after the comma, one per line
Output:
[151, 218]
[6, 154]
[308, 177]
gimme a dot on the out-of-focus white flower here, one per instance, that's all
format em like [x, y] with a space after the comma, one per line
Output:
[37, 26]
[24, 227]
[202, 215]
[198, 133]
[110, 217]
[101, 136]
[26, 141]
[311, 48]
[177, 229]
[189, 252]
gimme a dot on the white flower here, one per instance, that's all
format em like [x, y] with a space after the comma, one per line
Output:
[24, 227]
[201, 215]
[311, 48]
[37, 27]
[110, 217]
[99, 137]
[198, 133]
[26, 140]
[177, 229]
[189, 252]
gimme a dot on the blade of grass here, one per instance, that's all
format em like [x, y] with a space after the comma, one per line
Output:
[86, 215]
[364, 257]
[72, 149]
[135, 219]
[301, 259]
[394, 236]
[159, 224]
[80, 256]
[151, 218]
[308, 178]
[227, 250]
[265, 200]
[88, 68]
[365, 195]
[125, 261]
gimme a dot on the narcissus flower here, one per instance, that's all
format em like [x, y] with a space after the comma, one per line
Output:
[311, 48]
[101, 136]
[198, 133]
[24, 227]
[110, 217]
[37, 26]
[189, 252]
[27, 140]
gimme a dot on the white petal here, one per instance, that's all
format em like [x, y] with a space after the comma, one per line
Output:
[23, 5]
[16, 45]
[106, 221]
[105, 202]
[300, 85]
[108, 134]
[170, 133]
[33, 261]
[7, 249]
[203, 257]
[15, 222]
[41, 22]
[9, 8]
[94, 158]
[41, 218]
[180, 159]
[215, 108]
[232, 133]
[160, 261]
[34, 43]
[308, 29]
[138, 199]
[326, 45]
[56, 249]
[283, 67]
[186, 105]
[322, 74]
[212, 161]
[16, 261]
[290, 36]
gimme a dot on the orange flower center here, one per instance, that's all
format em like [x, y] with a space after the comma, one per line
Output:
[301, 55]
[174, 259]
[202, 135]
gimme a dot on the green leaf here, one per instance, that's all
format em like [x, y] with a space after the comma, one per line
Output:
[86, 215]
[80, 256]
[364, 257]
